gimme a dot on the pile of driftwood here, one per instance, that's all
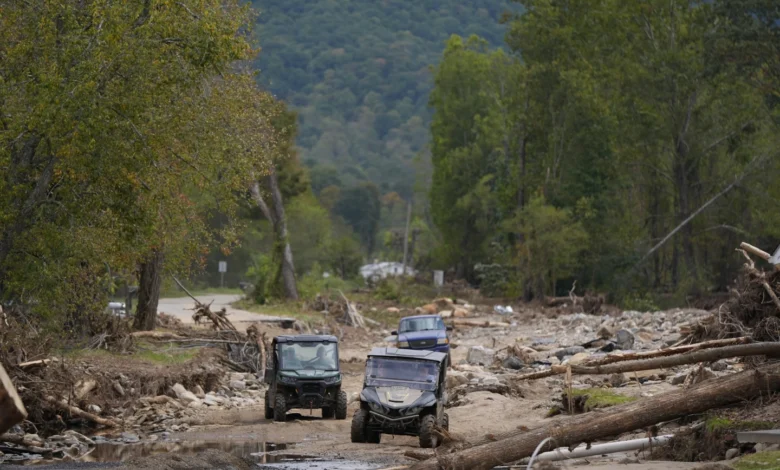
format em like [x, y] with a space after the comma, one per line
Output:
[752, 310]
[342, 310]
[589, 303]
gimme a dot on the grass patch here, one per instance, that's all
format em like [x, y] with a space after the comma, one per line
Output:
[761, 460]
[718, 423]
[168, 357]
[175, 292]
[600, 398]
[285, 309]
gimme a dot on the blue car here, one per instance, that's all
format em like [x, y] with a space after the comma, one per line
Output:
[424, 332]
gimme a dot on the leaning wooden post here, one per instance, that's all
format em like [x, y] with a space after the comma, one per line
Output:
[12, 410]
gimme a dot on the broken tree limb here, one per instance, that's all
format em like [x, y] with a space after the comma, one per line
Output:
[754, 251]
[12, 410]
[613, 421]
[82, 414]
[21, 440]
[706, 355]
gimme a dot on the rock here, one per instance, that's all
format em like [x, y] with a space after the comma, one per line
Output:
[392, 310]
[700, 375]
[512, 362]
[129, 438]
[731, 453]
[209, 400]
[460, 313]
[578, 359]
[80, 437]
[480, 355]
[491, 380]
[762, 447]
[184, 395]
[678, 379]
[604, 332]
[199, 391]
[624, 339]
[429, 309]
[455, 380]
[645, 336]
[617, 380]
[719, 366]
[94, 409]
[444, 303]
[570, 351]
[118, 389]
[194, 404]
[238, 385]
[445, 313]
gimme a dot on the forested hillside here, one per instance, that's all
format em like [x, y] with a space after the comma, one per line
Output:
[358, 75]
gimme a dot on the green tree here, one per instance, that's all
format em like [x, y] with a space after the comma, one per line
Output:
[361, 208]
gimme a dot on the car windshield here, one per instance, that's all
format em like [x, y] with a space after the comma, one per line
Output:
[389, 372]
[308, 355]
[420, 324]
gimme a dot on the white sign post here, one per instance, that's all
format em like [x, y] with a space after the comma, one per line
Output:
[438, 278]
[222, 271]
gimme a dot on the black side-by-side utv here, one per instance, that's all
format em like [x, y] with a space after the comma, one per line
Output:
[404, 393]
[303, 372]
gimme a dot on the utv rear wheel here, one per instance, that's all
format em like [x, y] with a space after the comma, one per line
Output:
[428, 438]
[359, 421]
[327, 412]
[269, 411]
[341, 405]
[280, 408]
[445, 422]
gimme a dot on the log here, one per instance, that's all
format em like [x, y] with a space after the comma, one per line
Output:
[81, 413]
[12, 410]
[617, 358]
[707, 355]
[614, 421]
[155, 335]
[755, 251]
[480, 323]
[38, 363]
[20, 440]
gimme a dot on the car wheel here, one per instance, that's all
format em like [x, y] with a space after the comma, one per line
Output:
[373, 437]
[428, 439]
[269, 411]
[327, 412]
[341, 405]
[359, 421]
[280, 408]
[445, 422]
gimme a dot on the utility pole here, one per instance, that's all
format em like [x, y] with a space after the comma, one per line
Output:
[406, 235]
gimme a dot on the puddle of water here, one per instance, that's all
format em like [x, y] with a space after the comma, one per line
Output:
[256, 450]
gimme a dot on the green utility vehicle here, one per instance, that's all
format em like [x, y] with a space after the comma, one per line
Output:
[303, 372]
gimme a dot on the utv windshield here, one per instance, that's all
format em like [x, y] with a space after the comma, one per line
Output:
[421, 324]
[308, 355]
[387, 372]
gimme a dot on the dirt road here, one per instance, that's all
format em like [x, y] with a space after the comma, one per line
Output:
[181, 308]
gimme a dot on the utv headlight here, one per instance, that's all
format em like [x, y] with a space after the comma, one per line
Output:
[285, 379]
[403, 344]
[333, 380]
[443, 341]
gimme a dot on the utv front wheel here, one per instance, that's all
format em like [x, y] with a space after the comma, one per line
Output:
[327, 412]
[280, 408]
[341, 405]
[359, 420]
[269, 411]
[445, 422]
[428, 438]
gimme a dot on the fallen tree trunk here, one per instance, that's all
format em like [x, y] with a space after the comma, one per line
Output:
[613, 421]
[12, 410]
[82, 414]
[645, 355]
[707, 355]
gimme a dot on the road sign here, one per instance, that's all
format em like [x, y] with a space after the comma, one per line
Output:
[438, 278]
[223, 266]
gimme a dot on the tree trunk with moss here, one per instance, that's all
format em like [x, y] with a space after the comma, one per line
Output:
[286, 271]
[149, 292]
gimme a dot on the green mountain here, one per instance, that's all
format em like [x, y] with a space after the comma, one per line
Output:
[358, 74]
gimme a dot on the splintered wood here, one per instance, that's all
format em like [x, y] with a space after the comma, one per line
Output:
[12, 409]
